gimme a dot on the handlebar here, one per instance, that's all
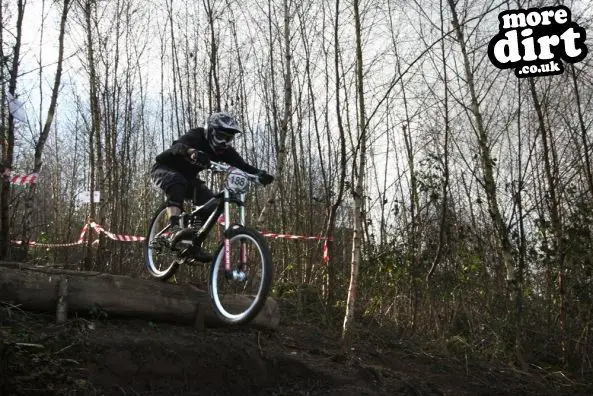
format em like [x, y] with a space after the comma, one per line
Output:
[218, 167]
[221, 167]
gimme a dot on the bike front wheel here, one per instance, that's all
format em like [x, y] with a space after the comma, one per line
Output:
[239, 291]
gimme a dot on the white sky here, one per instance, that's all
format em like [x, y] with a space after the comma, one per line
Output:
[29, 83]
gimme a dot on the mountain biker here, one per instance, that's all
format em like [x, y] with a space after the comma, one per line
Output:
[175, 170]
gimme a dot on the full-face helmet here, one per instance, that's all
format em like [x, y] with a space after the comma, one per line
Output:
[221, 130]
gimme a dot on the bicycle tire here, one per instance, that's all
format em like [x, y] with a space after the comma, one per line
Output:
[265, 284]
[148, 259]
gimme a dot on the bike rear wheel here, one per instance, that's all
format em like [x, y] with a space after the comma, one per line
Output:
[162, 263]
[238, 299]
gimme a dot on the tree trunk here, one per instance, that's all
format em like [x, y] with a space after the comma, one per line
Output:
[358, 193]
[518, 197]
[553, 206]
[39, 146]
[213, 80]
[445, 187]
[173, 68]
[8, 141]
[583, 130]
[89, 293]
[486, 160]
[286, 118]
[94, 133]
[331, 295]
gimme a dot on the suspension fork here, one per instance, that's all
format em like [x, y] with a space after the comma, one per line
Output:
[227, 224]
[243, 262]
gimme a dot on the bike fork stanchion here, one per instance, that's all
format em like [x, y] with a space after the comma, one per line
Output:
[243, 255]
[227, 242]
[227, 256]
[243, 263]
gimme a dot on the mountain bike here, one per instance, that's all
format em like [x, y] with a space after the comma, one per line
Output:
[241, 264]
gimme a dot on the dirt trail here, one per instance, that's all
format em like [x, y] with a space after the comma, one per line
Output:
[116, 357]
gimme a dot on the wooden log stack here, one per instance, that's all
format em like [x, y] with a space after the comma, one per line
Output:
[66, 292]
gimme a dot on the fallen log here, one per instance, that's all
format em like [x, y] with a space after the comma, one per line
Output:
[87, 293]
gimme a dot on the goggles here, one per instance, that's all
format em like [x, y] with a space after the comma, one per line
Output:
[222, 136]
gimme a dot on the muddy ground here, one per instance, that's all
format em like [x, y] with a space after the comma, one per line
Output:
[103, 356]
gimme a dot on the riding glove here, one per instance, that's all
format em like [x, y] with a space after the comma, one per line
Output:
[200, 158]
[264, 177]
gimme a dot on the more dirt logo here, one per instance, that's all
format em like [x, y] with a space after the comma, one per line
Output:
[535, 41]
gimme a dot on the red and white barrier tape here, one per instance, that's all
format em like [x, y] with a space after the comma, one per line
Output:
[132, 238]
[325, 258]
[285, 236]
[98, 229]
[307, 238]
[37, 244]
[295, 237]
[23, 180]
[290, 236]
[20, 179]
[123, 238]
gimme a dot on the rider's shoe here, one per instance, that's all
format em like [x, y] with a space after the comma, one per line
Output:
[198, 253]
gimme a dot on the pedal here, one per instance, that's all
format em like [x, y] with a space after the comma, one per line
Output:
[190, 261]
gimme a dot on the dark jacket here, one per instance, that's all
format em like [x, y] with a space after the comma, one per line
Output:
[176, 158]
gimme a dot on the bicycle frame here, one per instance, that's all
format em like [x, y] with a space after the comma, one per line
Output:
[224, 198]
[182, 245]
